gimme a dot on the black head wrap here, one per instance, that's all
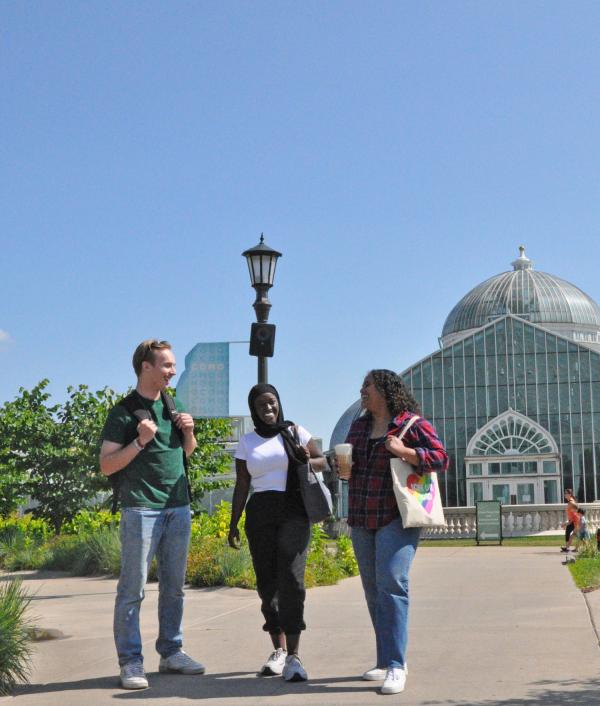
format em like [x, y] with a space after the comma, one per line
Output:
[262, 428]
[292, 448]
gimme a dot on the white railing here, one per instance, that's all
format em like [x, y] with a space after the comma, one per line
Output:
[517, 521]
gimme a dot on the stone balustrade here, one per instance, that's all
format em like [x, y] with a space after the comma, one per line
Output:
[517, 521]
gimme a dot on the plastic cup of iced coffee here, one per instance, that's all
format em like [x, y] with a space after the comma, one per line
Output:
[343, 455]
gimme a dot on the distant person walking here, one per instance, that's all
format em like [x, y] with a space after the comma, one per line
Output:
[572, 520]
[277, 527]
[155, 514]
[384, 548]
[583, 533]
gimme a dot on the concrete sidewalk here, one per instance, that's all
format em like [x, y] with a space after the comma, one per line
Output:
[489, 626]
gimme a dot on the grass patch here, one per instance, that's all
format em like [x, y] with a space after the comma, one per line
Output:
[585, 573]
[533, 541]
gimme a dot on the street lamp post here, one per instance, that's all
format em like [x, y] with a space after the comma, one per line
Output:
[262, 261]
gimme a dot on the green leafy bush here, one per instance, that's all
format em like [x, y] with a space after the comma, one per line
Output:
[61, 552]
[28, 526]
[15, 641]
[345, 555]
[212, 562]
[587, 549]
[89, 554]
[215, 525]
[18, 552]
[22, 542]
[89, 521]
[89, 545]
[99, 554]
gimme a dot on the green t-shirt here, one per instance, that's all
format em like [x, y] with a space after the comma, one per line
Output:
[156, 477]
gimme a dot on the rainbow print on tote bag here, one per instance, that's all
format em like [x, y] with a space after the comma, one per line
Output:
[418, 497]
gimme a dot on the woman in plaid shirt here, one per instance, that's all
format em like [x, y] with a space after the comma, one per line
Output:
[384, 548]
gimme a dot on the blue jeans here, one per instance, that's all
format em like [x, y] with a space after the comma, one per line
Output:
[384, 557]
[144, 534]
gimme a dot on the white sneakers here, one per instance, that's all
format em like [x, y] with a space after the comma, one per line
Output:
[374, 674]
[393, 678]
[293, 669]
[377, 674]
[279, 662]
[274, 665]
[180, 663]
[394, 681]
[133, 677]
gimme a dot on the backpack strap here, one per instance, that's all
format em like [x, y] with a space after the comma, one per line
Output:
[169, 403]
[134, 404]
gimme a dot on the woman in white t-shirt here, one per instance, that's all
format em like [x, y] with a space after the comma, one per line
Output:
[277, 527]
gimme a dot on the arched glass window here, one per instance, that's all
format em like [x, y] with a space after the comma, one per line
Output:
[511, 434]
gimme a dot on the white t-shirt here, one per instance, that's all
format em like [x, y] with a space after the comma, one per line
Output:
[266, 459]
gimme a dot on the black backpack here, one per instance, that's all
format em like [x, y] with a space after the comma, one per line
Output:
[135, 406]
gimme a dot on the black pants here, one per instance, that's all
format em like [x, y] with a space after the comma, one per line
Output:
[278, 536]
[569, 530]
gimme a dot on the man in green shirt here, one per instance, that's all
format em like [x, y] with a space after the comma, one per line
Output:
[155, 513]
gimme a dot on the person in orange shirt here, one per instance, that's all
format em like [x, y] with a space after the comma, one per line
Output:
[572, 520]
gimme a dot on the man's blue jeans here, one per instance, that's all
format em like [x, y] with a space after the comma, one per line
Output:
[384, 557]
[144, 534]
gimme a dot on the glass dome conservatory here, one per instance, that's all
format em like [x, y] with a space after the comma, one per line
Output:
[514, 391]
[534, 296]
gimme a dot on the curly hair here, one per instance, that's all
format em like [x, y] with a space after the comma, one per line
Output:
[397, 396]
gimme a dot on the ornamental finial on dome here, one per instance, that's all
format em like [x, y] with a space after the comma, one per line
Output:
[522, 262]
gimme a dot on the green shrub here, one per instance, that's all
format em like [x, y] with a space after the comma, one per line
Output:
[215, 525]
[15, 642]
[99, 554]
[89, 522]
[321, 567]
[211, 562]
[18, 553]
[89, 545]
[61, 553]
[35, 528]
[345, 555]
[587, 549]
[93, 554]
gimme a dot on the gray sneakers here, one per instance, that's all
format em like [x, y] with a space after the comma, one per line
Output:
[133, 677]
[293, 669]
[274, 665]
[180, 663]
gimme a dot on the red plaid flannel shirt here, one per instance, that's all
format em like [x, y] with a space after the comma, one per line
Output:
[371, 500]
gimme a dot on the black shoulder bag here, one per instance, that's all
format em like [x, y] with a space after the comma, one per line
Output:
[315, 494]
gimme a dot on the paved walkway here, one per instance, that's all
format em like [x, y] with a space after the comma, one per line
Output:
[490, 626]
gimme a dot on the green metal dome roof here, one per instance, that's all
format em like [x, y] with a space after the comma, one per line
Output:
[534, 296]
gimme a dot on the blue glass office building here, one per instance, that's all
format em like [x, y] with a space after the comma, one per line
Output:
[514, 391]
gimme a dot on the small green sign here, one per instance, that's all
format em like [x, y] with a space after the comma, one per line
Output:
[489, 520]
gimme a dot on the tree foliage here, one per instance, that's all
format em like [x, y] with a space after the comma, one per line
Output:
[54, 449]
[210, 461]
[49, 452]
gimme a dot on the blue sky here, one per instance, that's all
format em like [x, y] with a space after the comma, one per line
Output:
[396, 153]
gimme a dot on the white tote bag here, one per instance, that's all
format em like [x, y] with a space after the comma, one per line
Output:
[418, 497]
